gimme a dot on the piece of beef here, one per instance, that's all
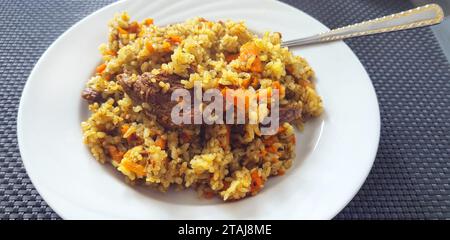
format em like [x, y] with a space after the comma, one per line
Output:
[91, 95]
[289, 113]
[141, 89]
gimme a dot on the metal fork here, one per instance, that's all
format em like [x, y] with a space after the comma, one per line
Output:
[418, 17]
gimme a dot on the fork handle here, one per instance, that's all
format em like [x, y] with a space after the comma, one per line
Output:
[418, 17]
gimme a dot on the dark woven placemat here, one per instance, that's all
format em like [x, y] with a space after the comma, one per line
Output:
[411, 175]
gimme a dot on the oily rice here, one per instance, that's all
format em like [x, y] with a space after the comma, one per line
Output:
[228, 161]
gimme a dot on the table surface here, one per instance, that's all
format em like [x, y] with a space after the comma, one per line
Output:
[410, 178]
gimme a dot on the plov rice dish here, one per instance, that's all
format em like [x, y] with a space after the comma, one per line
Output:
[130, 127]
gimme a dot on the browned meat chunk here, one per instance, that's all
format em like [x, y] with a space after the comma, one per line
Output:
[289, 114]
[91, 95]
[142, 89]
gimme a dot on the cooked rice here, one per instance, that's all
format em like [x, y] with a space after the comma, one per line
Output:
[217, 160]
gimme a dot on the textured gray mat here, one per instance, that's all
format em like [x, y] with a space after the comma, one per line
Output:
[411, 175]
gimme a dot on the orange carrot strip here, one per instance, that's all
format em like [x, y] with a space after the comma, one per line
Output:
[110, 52]
[257, 182]
[282, 91]
[256, 65]
[228, 136]
[148, 21]
[281, 88]
[124, 128]
[149, 47]
[115, 154]
[249, 48]
[272, 149]
[246, 83]
[100, 68]
[160, 142]
[121, 30]
[175, 39]
[255, 82]
[139, 170]
[276, 85]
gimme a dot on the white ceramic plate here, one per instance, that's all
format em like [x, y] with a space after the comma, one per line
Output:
[334, 154]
